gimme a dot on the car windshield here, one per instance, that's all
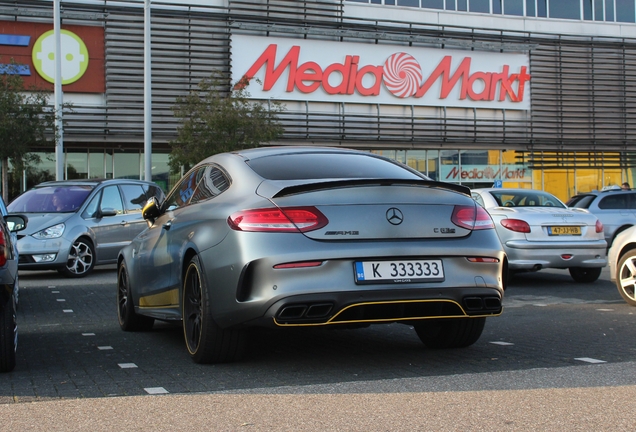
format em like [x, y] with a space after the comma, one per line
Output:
[51, 199]
[530, 198]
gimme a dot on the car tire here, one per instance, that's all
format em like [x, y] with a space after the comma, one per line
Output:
[449, 332]
[585, 274]
[8, 336]
[205, 340]
[626, 277]
[81, 259]
[128, 319]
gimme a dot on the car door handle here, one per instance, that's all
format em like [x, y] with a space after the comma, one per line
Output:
[123, 223]
[167, 225]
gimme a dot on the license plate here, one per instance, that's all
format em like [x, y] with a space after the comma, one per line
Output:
[399, 271]
[564, 230]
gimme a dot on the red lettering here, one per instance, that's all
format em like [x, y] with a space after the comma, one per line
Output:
[485, 77]
[443, 70]
[374, 90]
[308, 72]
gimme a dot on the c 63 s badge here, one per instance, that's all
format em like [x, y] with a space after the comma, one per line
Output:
[444, 230]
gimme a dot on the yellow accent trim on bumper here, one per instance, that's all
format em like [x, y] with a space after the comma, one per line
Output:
[330, 322]
[164, 299]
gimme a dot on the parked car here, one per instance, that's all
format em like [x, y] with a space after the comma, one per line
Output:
[9, 288]
[77, 224]
[538, 231]
[616, 209]
[622, 264]
[315, 237]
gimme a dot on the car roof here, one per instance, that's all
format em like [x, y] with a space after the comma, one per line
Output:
[270, 151]
[90, 182]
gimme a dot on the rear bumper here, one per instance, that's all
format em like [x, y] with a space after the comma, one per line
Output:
[346, 308]
[523, 255]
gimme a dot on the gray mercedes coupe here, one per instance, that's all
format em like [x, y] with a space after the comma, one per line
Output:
[305, 236]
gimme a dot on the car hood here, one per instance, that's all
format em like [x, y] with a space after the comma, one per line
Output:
[40, 221]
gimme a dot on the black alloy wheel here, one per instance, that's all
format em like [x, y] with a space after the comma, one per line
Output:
[205, 340]
[129, 320]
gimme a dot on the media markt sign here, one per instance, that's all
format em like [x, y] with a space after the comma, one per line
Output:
[74, 56]
[327, 71]
[485, 173]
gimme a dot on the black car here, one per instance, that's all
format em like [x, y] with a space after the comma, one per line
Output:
[8, 287]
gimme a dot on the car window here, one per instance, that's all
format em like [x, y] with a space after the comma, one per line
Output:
[526, 199]
[329, 166]
[91, 208]
[51, 199]
[135, 197]
[581, 201]
[614, 202]
[111, 199]
[183, 191]
[478, 199]
[211, 182]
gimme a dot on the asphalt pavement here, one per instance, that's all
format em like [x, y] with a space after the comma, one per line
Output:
[561, 357]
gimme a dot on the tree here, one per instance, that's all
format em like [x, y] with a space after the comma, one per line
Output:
[26, 121]
[215, 120]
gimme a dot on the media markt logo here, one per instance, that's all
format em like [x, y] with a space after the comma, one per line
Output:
[74, 56]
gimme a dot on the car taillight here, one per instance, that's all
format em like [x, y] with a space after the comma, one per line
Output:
[599, 226]
[516, 225]
[287, 219]
[3, 248]
[472, 218]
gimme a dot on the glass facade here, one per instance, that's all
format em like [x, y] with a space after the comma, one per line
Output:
[623, 11]
[93, 164]
[501, 168]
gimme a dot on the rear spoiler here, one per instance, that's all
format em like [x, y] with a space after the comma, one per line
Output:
[339, 183]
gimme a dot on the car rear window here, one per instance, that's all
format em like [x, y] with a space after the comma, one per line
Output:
[51, 199]
[328, 166]
[580, 201]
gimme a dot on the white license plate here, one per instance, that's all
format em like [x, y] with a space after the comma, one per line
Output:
[399, 271]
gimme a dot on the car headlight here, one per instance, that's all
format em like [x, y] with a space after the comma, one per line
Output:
[50, 233]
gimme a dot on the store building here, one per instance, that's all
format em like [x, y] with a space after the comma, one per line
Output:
[530, 93]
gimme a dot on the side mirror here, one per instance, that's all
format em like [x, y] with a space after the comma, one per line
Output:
[107, 212]
[16, 222]
[150, 212]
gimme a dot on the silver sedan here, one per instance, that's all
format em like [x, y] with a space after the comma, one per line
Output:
[538, 231]
[315, 237]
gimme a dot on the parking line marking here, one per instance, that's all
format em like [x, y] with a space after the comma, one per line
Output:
[102, 348]
[605, 310]
[67, 310]
[61, 300]
[501, 343]
[127, 365]
[52, 286]
[156, 390]
[55, 292]
[88, 334]
[590, 360]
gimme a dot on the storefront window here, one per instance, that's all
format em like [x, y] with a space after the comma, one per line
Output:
[416, 159]
[450, 5]
[542, 10]
[161, 171]
[126, 165]
[599, 10]
[462, 5]
[432, 164]
[530, 9]
[96, 165]
[76, 166]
